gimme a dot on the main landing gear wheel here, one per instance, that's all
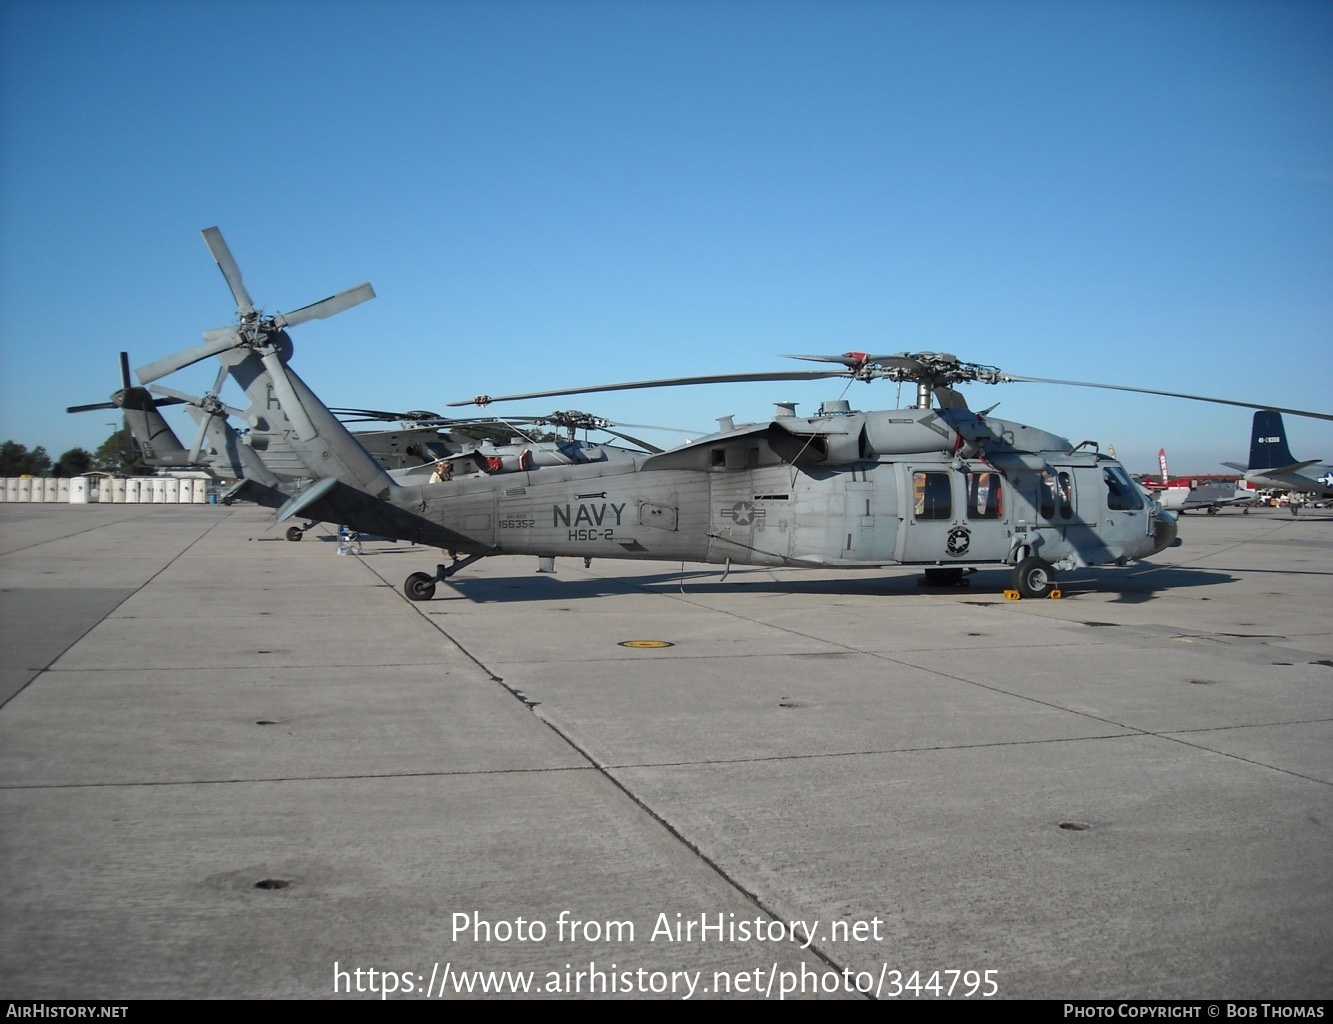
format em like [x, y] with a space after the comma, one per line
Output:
[419, 586]
[295, 533]
[1034, 577]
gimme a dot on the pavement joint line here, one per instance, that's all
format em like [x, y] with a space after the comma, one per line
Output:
[594, 765]
[93, 529]
[1244, 760]
[423, 663]
[1130, 730]
[1131, 733]
[972, 682]
[161, 569]
[608, 773]
[266, 780]
[1193, 562]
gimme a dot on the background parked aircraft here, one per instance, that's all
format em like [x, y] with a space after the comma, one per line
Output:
[1271, 462]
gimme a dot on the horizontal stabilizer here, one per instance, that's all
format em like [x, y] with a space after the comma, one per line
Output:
[312, 494]
[1275, 470]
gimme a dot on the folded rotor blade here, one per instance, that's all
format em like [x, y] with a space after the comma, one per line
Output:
[204, 419]
[1169, 394]
[219, 380]
[174, 397]
[218, 341]
[731, 378]
[326, 307]
[230, 271]
[287, 399]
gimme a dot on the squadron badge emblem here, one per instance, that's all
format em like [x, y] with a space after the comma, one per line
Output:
[959, 541]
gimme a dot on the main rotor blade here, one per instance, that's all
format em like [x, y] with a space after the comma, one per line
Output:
[730, 378]
[218, 341]
[230, 271]
[669, 430]
[652, 448]
[373, 415]
[851, 360]
[1169, 394]
[326, 307]
[287, 399]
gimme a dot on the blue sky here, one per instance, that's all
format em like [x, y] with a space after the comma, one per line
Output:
[556, 194]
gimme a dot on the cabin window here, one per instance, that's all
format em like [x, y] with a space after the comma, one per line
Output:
[984, 497]
[1121, 493]
[932, 497]
[1055, 494]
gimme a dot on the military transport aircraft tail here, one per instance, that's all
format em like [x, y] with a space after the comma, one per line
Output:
[1271, 462]
[1268, 443]
[1269, 453]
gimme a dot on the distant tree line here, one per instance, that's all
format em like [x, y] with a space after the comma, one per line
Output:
[112, 456]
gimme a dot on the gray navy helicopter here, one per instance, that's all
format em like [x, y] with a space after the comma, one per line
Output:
[941, 488]
[265, 467]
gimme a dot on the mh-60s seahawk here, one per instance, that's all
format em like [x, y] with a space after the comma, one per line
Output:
[944, 489]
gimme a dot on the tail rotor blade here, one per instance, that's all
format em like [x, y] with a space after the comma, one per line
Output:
[230, 271]
[218, 341]
[90, 408]
[326, 307]
[125, 381]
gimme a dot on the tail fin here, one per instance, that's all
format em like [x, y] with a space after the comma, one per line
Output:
[158, 443]
[1268, 442]
[155, 441]
[1161, 461]
[349, 485]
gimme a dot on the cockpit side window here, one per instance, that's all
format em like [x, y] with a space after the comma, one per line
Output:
[1121, 494]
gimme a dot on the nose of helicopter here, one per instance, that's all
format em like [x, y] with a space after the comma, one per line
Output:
[1164, 531]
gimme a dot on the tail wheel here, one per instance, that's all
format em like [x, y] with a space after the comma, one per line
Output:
[295, 533]
[1034, 577]
[419, 587]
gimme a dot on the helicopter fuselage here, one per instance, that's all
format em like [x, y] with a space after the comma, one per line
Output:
[780, 494]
